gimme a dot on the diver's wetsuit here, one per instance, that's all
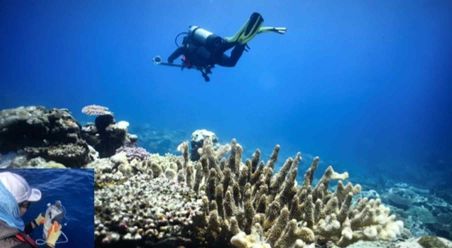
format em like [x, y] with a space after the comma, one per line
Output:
[204, 56]
[13, 238]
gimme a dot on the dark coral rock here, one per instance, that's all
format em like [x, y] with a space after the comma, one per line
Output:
[431, 242]
[21, 127]
[110, 140]
[50, 133]
[90, 134]
[107, 141]
[71, 155]
[103, 121]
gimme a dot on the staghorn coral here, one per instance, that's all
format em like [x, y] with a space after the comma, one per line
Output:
[314, 213]
[245, 204]
[197, 139]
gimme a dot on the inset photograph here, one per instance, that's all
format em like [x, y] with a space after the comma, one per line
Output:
[46, 208]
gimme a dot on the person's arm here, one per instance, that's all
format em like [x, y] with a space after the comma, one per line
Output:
[178, 52]
[54, 234]
[34, 223]
[13, 241]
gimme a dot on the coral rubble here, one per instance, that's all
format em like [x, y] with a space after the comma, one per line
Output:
[422, 210]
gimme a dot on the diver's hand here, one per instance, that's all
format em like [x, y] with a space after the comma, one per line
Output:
[53, 234]
[39, 220]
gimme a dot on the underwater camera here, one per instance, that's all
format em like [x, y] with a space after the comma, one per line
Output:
[55, 212]
[157, 60]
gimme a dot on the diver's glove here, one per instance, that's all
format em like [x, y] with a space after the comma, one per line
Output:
[53, 234]
[39, 220]
[279, 30]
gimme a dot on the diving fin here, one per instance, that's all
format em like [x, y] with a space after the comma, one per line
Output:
[249, 30]
[279, 30]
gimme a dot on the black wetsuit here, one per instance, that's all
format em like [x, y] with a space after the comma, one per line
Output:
[209, 54]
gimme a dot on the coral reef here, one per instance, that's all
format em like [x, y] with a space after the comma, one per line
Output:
[105, 135]
[21, 161]
[431, 242]
[253, 197]
[209, 197]
[159, 211]
[235, 203]
[139, 202]
[197, 140]
[134, 152]
[52, 134]
[159, 141]
[423, 211]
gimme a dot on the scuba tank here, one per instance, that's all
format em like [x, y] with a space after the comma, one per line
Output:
[205, 38]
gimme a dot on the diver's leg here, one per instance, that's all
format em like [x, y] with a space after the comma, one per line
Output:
[236, 53]
[249, 30]
[226, 45]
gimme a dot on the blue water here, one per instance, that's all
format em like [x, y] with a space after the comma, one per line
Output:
[74, 188]
[365, 85]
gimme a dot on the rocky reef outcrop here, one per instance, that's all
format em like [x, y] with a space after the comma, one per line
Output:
[55, 138]
[36, 131]
[105, 134]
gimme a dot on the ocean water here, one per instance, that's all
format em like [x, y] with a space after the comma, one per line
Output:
[75, 189]
[365, 85]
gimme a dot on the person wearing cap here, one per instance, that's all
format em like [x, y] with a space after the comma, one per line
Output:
[15, 199]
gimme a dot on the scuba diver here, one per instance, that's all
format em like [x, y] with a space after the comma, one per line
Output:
[15, 199]
[203, 50]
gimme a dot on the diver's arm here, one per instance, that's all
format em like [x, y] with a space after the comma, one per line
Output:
[279, 30]
[29, 228]
[178, 52]
[54, 234]
[39, 220]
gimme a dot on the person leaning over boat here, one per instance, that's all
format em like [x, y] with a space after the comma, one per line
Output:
[15, 199]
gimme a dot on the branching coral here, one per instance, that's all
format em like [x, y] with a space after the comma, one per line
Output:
[247, 205]
[258, 199]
